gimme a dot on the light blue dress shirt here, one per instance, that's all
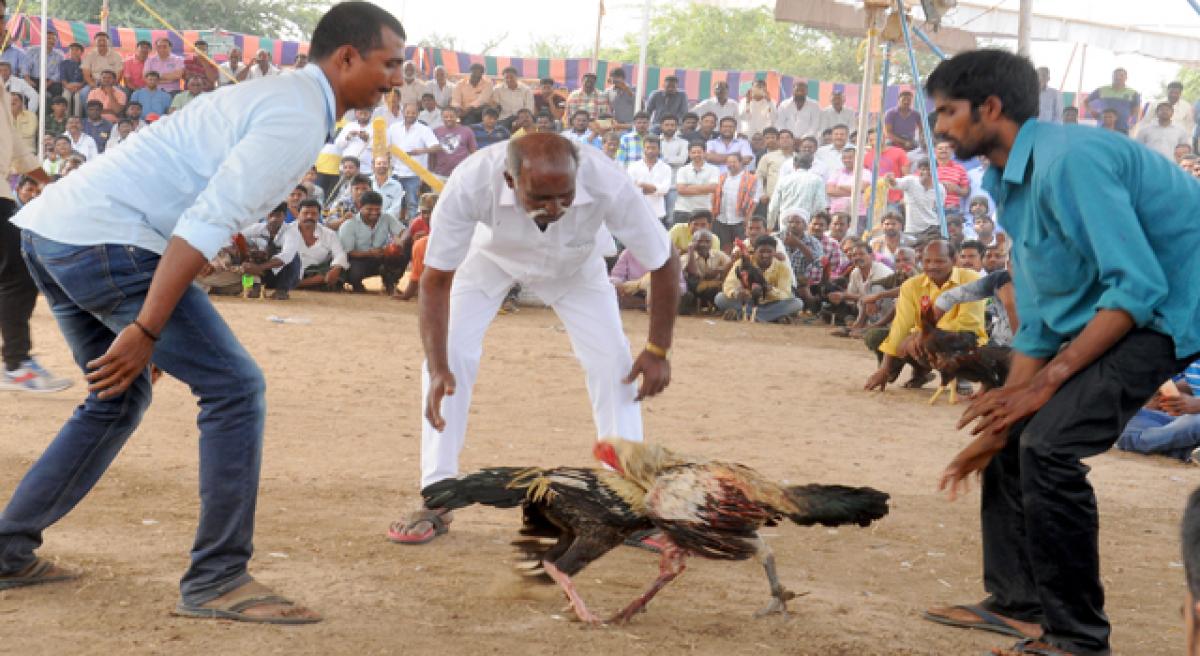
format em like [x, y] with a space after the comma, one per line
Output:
[200, 174]
[1097, 221]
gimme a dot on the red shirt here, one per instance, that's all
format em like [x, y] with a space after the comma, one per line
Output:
[419, 227]
[955, 174]
[132, 73]
[895, 161]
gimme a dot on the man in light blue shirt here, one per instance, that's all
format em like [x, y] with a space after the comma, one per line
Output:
[1104, 245]
[115, 247]
[153, 99]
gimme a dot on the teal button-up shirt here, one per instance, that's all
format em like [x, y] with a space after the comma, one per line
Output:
[1098, 221]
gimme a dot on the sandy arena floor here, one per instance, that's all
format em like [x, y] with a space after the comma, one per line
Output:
[341, 462]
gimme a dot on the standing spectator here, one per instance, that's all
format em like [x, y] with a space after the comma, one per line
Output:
[757, 112]
[952, 175]
[1163, 136]
[54, 60]
[134, 69]
[418, 141]
[1070, 116]
[837, 113]
[667, 101]
[441, 88]
[687, 128]
[199, 64]
[262, 66]
[95, 126]
[652, 176]
[1181, 110]
[631, 142]
[388, 187]
[727, 143]
[413, 87]
[111, 99]
[621, 100]
[1049, 100]
[770, 166]
[920, 201]
[431, 114]
[892, 159]
[364, 239]
[1123, 101]
[512, 95]
[830, 155]
[798, 115]
[522, 123]
[167, 64]
[734, 198]
[549, 101]
[56, 120]
[901, 124]
[489, 131]
[354, 139]
[840, 184]
[472, 95]
[232, 71]
[675, 154]
[152, 99]
[18, 86]
[720, 104]
[123, 129]
[695, 183]
[457, 143]
[25, 122]
[195, 87]
[72, 78]
[578, 131]
[802, 189]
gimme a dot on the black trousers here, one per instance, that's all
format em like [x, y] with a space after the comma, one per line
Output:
[365, 267]
[18, 293]
[1041, 558]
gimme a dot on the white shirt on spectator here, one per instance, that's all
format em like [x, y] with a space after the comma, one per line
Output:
[818, 166]
[352, 144]
[257, 72]
[480, 232]
[872, 284]
[85, 146]
[756, 115]
[803, 122]
[431, 117]
[675, 154]
[408, 138]
[920, 204]
[288, 240]
[831, 117]
[1162, 139]
[830, 159]
[441, 94]
[687, 174]
[730, 108]
[660, 176]
[327, 248]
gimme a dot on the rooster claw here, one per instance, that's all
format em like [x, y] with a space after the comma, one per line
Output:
[778, 605]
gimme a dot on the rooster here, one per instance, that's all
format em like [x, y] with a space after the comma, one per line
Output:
[752, 279]
[588, 512]
[957, 355]
[713, 509]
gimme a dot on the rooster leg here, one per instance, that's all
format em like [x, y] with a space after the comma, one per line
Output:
[754, 314]
[581, 609]
[670, 566]
[779, 594]
[938, 392]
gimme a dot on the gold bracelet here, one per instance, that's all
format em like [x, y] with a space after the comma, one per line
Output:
[654, 349]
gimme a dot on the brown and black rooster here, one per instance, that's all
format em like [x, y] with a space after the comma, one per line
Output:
[713, 509]
[752, 279]
[588, 512]
[957, 355]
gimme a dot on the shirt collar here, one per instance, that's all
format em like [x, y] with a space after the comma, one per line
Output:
[317, 74]
[1021, 153]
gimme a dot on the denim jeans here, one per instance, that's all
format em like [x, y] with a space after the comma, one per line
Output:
[288, 277]
[767, 312]
[412, 195]
[1154, 432]
[95, 292]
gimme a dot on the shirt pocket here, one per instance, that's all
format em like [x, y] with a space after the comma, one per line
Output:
[1056, 268]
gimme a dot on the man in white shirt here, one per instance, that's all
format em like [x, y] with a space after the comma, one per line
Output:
[675, 154]
[1182, 113]
[830, 155]
[431, 114]
[262, 66]
[418, 140]
[354, 140]
[120, 283]
[512, 95]
[323, 260]
[799, 115]
[758, 111]
[920, 201]
[234, 70]
[1162, 136]
[837, 113]
[720, 104]
[538, 212]
[81, 142]
[652, 177]
[695, 183]
[279, 246]
[441, 88]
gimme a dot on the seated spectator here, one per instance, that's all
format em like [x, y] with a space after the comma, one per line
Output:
[18, 86]
[387, 186]
[543, 123]
[133, 112]
[298, 194]
[867, 276]
[955, 228]
[133, 71]
[801, 248]
[995, 258]
[199, 64]
[81, 142]
[995, 287]
[651, 175]
[166, 64]
[457, 142]
[234, 70]
[349, 205]
[321, 254]
[75, 161]
[96, 126]
[985, 231]
[27, 189]
[369, 240]
[274, 254]
[970, 255]
[704, 270]
[431, 114]
[56, 159]
[349, 167]
[772, 302]
[579, 132]
[839, 225]
[839, 186]
[682, 235]
[195, 87]
[489, 131]
[695, 183]
[120, 135]
[153, 99]
[631, 281]
[56, 120]
[112, 99]
[72, 78]
[25, 122]
[900, 345]
[1169, 424]
[414, 241]
[222, 275]
[632, 142]
[1108, 121]
[262, 66]
[612, 143]
[1070, 116]
[892, 227]
[833, 262]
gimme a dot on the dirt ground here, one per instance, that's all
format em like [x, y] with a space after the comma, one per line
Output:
[341, 458]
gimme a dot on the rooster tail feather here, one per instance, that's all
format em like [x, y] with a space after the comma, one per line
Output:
[837, 505]
[489, 487]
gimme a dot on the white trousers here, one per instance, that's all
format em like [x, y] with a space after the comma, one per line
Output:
[593, 323]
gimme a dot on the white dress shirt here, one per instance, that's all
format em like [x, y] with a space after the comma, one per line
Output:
[257, 72]
[831, 117]
[409, 138]
[707, 175]
[804, 121]
[18, 85]
[756, 116]
[730, 108]
[85, 145]
[660, 176]
[830, 159]
[675, 154]
[351, 144]
[920, 204]
[327, 247]
[431, 117]
[480, 232]
[441, 94]
[200, 175]
[287, 239]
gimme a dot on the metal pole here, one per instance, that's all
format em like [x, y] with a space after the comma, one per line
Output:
[1067, 71]
[596, 48]
[1024, 25]
[641, 77]
[864, 110]
[862, 141]
[41, 143]
[929, 42]
[924, 124]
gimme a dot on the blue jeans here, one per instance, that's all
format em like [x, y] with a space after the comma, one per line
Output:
[669, 202]
[1154, 432]
[412, 195]
[767, 312]
[95, 292]
[288, 277]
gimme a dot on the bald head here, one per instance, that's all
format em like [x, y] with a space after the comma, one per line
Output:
[540, 169]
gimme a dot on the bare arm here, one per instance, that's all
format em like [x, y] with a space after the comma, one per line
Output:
[653, 367]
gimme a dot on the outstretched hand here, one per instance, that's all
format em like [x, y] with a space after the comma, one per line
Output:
[655, 372]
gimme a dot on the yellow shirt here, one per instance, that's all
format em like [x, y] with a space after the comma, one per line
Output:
[963, 317]
[779, 277]
[680, 235]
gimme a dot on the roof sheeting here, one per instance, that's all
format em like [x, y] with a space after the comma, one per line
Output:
[851, 20]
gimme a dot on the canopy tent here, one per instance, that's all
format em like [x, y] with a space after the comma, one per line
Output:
[848, 18]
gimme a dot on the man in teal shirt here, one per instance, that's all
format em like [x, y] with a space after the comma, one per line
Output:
[1096, 222]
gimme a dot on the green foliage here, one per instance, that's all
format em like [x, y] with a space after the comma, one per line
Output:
[553, 47]
[289, 19]
[1190, 78]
